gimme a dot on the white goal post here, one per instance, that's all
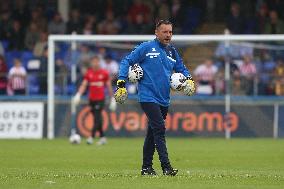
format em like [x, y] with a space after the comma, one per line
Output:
[120, 38]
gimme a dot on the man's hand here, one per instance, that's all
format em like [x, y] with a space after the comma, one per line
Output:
[76, 99]
[120, 94]
[112, 104]
[189, 87]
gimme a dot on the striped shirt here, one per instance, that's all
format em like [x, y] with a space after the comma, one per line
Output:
[248, 69]
[17, 78]
[206, 73]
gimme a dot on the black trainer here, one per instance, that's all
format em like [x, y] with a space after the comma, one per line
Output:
[169, 171]
[148, 171]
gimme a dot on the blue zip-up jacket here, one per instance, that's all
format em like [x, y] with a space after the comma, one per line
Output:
[158, 62]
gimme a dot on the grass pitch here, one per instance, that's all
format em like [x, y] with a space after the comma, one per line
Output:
[202, 163]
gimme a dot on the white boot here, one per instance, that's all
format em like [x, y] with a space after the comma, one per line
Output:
[102, 141]
[90, 140]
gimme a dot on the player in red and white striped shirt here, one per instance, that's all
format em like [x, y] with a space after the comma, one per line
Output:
[17, 78]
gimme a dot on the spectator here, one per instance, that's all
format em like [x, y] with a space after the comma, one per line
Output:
[177, 14]
[139, 27]
[38, 19]
[235, 21]
[43, 72]
[61, 72]
[176, 6]
[3, 76]
[138, 8]
[265, 67]
[276, 5]
[102, 53]
[279, 78]
[235, 80]
[40, 45]
[236, 84]
[251, 23]
[5, 24]
[279, 87]
[75, 23]
[32, 36]
[205, 75]
[262, 18]
[279, 69]
[112, 67]
[17, 78]
[16, 36]
[57, 25]
[248, 73]
[275, 25]
[88, 28]
[219, 84]
[90, 25]
[109, 25]
[21, 12]
[163, 12]
[91, 18]
[85, 56]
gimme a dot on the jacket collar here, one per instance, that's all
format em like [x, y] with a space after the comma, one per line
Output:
[161, 44]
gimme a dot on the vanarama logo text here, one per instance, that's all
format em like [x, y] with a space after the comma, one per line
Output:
[177, 121]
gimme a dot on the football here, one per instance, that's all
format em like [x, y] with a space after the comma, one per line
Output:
[135, 73]
[75, 139]
[177, 81]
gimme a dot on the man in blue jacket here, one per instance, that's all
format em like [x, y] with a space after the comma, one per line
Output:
[158, 60]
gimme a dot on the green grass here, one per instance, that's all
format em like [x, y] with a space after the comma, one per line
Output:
[202, 163]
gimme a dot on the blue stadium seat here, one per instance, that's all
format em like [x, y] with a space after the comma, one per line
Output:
[10, 56]
[32, 81]
[16, 54]
[9, 59]
[26, 57]
[5, 44]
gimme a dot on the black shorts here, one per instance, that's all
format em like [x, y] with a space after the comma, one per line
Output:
[97, 105]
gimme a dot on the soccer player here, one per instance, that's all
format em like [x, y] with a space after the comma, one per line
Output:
[158, 59]
[96, 79]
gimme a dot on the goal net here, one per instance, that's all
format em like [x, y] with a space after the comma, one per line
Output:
[229, 70]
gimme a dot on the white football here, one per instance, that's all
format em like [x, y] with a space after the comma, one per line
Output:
[75, 139]
[135, 73]
[177, 81]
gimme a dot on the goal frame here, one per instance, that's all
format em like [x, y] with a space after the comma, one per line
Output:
[52, 39]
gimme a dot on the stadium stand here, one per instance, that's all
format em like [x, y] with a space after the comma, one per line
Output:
[21, 18]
